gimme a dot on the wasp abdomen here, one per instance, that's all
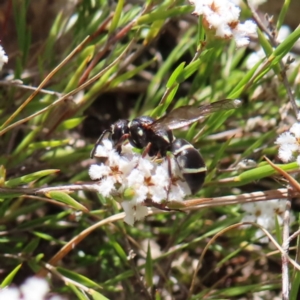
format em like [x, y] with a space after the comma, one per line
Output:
[191, 163]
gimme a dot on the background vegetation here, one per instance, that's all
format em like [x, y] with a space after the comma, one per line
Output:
[100, 61]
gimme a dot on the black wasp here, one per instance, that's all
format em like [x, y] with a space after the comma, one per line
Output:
[156, 137]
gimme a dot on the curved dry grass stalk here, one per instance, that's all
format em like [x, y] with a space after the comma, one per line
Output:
[77, 239]
[201, 203]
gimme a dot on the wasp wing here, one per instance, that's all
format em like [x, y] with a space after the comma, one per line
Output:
[186, 115]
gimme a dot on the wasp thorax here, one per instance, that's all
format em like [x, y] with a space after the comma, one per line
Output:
[139, 132]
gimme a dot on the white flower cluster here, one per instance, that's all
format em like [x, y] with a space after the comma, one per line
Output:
[3, 58]
[222, 17]
[133, 179]
[33, 288]
[289, 144]
[264, 213]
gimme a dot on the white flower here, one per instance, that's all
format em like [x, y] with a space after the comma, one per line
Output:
[98, 171]
[289, 144]
[10, 293]
[286, 138]
[222, 17]
[295, 130]
[179, 191]
[3, 58]
[133, 212]
[135, 178]
[104, 149]
[161, 177]
[242, 32]
[127, 164]
[145, 166]
[107, 186]
[140, 180]
[141, 194]
[285, 152]
[264, 214]
[159, 194]
[33, 288]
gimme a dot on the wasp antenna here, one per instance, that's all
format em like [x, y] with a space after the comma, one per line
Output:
[99, 141]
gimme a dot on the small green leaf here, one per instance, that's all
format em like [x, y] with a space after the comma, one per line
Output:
[164, 14]
[78, 278]
[9, 278]
[265, 43]
[118, 249]
[154, 31]
[44, 236]
[70, 124]
[268, 49]
[79, 294]
[261, 172]
[67, 199]
[282, 14]
[29, 178]
[29, 248]
[117, 15]
[175, 74]
[47, 144]
[97, 296]
[189, 70]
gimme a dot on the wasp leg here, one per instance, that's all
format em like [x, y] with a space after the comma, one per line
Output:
[119, 144]
[146, 150]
